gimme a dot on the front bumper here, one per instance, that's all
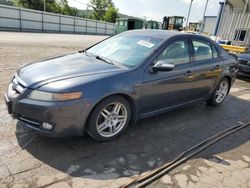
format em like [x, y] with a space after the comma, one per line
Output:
[68, 118]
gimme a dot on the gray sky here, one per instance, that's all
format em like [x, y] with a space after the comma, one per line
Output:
[157, 9]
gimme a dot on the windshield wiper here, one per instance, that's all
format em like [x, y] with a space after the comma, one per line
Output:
[105, 60]
[81, 51]
[97, 57]
[85, 52]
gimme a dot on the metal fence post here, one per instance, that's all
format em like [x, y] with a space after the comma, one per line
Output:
[86, 22]
[42, 22]
[106, 28]
[60, 23]
[20, 18]
[74, 25]
[96, 28]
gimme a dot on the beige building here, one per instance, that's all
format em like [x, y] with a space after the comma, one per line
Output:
[233, 22]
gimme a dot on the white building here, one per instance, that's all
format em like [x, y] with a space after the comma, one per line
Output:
[209, 24]
[233, 23]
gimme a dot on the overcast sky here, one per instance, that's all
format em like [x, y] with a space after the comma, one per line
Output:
[157, 9]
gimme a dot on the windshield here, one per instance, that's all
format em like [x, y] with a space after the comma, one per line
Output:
[127, 50]
[179, 21]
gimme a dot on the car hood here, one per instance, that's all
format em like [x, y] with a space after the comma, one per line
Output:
[63, 67]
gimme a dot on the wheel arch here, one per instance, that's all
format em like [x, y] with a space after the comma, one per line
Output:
[229, 80]
[127, 97]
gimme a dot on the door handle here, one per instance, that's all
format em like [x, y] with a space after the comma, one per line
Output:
[188, 73]
[216, 67]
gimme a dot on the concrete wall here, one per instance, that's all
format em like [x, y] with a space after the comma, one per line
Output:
[19, 19]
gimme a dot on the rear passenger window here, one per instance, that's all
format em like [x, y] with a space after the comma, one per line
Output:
[176, 53]
[202, 50]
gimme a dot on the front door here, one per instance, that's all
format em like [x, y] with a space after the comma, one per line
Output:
[164, 89]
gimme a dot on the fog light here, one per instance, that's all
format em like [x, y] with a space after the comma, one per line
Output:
[47, 126]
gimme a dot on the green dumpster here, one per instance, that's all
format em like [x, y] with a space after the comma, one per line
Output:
[124, 24]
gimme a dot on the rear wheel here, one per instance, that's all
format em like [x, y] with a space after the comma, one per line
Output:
[109, 118]
[220, 93]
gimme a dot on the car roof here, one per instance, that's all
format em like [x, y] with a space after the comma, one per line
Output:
[162, 34]
[165, 35]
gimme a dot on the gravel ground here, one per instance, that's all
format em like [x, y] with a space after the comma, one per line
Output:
[30, 160]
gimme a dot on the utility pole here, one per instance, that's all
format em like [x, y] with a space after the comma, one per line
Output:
[44, 5]
[189, 10]
[88, 11]
[203, 22]
[87, 15]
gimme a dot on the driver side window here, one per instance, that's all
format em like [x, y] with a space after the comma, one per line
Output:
[176, 52]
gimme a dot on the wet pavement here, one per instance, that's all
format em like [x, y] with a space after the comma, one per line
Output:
[31, 160]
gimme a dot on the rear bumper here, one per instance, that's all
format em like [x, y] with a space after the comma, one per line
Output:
[67, 118]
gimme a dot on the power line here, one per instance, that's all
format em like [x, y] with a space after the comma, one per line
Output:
[80, 2]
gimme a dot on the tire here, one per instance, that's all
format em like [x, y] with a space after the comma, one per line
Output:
[220, 93]
[109, 118]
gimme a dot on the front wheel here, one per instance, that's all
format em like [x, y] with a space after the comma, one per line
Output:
[109, 118]
[220, 93]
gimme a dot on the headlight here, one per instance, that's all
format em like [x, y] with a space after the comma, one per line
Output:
[46, 96]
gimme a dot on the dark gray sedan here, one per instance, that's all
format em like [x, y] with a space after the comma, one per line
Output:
[132, 75]
[244, 64]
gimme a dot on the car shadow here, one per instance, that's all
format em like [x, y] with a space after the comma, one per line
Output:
[143, 146]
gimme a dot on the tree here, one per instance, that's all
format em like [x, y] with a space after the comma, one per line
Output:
[32, 4]
[103, 10]
[55, 6]
[7, 2]
[64, 8]
[111, 14]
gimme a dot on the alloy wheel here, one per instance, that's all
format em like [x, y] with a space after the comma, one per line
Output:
[111, 119]
[221, 92]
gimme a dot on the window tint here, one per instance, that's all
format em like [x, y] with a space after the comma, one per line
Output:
[202, 50]
[176, 53]
[215, 53]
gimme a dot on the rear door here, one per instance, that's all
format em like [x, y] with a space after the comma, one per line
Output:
[207, 67]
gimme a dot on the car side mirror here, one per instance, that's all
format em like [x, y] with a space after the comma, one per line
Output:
[163, 66]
